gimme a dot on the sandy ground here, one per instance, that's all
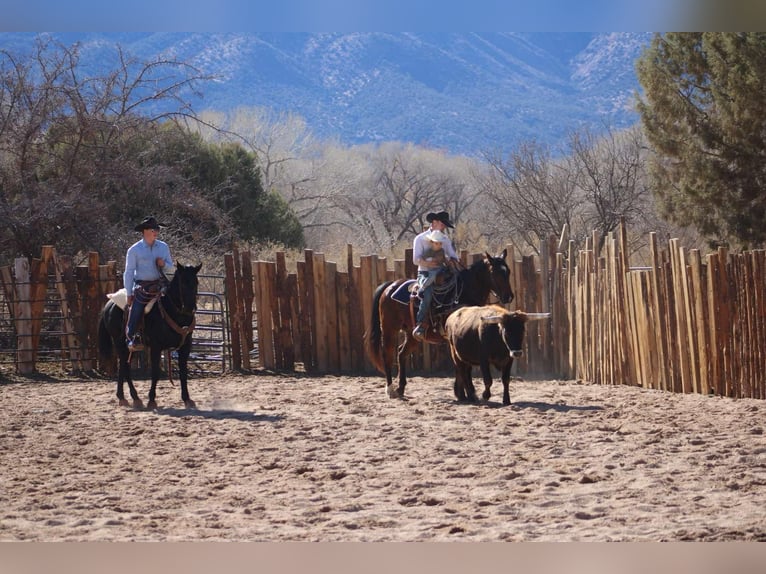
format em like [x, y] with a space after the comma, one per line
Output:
[291, 458]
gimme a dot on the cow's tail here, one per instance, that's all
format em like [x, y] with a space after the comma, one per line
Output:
[372, 335]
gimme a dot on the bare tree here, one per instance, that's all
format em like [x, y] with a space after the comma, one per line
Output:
[70, 144]
[404, 183]
[610, 170]
[532, 195]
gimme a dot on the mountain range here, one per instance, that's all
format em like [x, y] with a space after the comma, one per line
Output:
[462, 92]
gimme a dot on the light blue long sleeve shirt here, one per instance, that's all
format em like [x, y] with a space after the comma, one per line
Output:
[141, 264]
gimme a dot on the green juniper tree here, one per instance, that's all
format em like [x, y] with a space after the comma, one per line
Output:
[703, 113]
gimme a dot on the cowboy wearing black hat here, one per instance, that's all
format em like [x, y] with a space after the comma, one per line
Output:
[143, 272]
[439, 222]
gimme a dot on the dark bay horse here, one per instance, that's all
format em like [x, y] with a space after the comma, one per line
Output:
[390, 316]
[168, 325]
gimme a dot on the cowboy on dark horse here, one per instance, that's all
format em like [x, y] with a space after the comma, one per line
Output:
[144, 279]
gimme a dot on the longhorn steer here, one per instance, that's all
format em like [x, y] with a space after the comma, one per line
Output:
[484, 336]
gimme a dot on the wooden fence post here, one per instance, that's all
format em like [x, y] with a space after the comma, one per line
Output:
[234, 318]
[25, 363]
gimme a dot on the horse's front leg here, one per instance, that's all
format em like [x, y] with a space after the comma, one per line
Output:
[154, 354]
[183, 374]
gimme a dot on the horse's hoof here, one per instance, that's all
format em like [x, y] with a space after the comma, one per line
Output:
[190, 404]
[392, 392]
[152, 406]
[138, 404]
[124, 403]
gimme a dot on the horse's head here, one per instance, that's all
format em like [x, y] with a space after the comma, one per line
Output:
[183, 288]
[486, 275]
[500, 276]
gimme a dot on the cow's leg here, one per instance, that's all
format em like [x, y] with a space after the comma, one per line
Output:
[506, 380]
[458, 386]
[469, 389]
[467, 392]
[486, 374]
[155, 362]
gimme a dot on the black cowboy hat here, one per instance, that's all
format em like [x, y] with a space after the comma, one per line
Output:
[442, 216]
[148, 223]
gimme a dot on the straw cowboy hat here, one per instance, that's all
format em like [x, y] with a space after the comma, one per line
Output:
[442, 216]
[148, 223]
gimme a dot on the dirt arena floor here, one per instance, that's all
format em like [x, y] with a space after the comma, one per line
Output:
[269, 457]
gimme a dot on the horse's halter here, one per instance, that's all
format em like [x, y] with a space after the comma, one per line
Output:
[183, 300]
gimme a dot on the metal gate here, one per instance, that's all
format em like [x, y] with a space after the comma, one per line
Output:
[211, 349]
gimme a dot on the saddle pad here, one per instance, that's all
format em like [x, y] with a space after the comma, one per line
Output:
[402, 293]
[120, 298]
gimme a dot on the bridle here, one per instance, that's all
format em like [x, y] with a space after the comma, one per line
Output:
[182, 330]
[506, 278]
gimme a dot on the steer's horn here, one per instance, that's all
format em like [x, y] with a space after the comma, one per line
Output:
[492, 319]
[538, 316]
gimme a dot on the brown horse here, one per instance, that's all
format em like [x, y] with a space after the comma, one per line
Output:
[392, 315]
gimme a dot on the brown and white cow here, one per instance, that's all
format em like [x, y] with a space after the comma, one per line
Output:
[484, 336]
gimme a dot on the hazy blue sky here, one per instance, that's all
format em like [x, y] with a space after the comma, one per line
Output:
[389, 15]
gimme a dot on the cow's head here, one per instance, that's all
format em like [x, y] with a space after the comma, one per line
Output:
[512, 328]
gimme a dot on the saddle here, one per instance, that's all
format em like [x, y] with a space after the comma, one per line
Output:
[443, 302]
[120, 298]
[148, 292]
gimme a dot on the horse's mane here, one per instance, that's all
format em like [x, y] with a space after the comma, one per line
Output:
[475, 267]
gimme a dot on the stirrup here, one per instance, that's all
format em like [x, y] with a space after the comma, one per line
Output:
[135, 345]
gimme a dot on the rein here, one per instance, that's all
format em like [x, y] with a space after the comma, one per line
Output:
[182, 330]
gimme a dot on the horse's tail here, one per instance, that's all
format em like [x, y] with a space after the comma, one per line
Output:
[105, 344]
[372, 335]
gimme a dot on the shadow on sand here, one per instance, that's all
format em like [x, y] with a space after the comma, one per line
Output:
[221, 414]
[561, 408]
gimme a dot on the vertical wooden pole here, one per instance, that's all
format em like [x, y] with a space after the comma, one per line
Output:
[25, 363]
[310, 310]
[345, 336]
[38, 278]
[248, 297]
[321, 314]
[291, 292]
[231, 303]
[659, 312]
[287, 331]
[308, 353]
[331, 317]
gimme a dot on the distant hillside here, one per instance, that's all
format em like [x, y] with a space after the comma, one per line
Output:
[464, 92]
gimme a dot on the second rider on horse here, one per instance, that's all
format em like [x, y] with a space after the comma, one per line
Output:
[143, 278]
[439, 222]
